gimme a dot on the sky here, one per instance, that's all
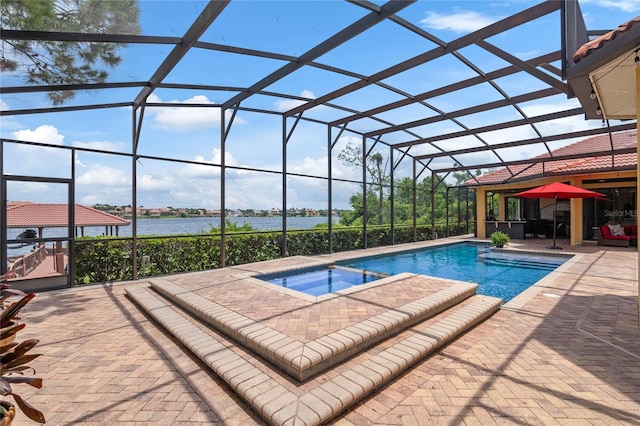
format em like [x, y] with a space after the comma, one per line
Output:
[253, 146]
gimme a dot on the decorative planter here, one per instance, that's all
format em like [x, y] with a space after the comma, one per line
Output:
[499, 239]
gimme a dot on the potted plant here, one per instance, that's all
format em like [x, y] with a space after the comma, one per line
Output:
[499, 239]
[14, 356]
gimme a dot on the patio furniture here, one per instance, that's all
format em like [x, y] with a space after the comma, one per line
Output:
[606, 238]
[632, 231]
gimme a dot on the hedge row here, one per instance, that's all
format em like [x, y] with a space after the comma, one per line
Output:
[108, 259]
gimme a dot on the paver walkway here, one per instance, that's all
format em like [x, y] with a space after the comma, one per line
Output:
[568, 353]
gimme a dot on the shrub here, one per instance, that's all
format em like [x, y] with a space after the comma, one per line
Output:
[499, 239]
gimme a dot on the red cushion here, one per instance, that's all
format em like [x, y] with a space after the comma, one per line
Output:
[606, 232]
[631, 230]
[618, 237]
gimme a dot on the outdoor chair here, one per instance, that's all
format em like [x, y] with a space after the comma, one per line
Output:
[605, 237]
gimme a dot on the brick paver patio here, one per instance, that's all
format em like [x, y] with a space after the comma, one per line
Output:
[564, 353]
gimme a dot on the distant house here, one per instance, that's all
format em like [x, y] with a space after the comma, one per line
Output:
[311, 212]
[275, 212]
[116, 211]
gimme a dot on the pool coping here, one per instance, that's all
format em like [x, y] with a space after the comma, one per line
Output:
[536, 288]
[325, 297]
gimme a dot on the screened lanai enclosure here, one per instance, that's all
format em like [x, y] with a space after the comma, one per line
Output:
[373, 117]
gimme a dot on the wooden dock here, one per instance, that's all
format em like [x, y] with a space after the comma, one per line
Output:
[41, 262]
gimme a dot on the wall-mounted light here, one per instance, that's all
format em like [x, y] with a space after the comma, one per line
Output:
[598, 110]
[592, 95]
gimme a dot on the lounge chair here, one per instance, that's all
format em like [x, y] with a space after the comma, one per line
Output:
[606, 238]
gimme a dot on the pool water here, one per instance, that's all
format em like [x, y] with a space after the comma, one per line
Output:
[498, 273]
[319, 281]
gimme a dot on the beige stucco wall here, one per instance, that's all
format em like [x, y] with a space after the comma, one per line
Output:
[576, 204]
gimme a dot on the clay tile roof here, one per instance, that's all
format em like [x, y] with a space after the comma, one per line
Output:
[34, 215]
[621, 140]
[595, 44]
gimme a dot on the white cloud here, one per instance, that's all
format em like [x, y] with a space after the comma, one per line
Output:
[103, 176]
[43, 134]
[101, 145]
[287, 104]
[78, 162]
[628, 6]
[90, 200]
[203, 171]
[458, 22]
[153, 98]
[560, 125]
[311, 166]
[117, 195]
[8, 123]
[37, 160]
[39, 192]
[187, 118]
[152, 183]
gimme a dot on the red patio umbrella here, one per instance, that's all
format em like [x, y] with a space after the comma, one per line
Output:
[558, 190]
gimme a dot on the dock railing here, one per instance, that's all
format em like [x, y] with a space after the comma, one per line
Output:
[27, 263]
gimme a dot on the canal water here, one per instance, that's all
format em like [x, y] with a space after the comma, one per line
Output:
[177, 226]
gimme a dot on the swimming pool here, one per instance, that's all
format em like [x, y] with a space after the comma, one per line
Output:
[499, 273]
[319, 281]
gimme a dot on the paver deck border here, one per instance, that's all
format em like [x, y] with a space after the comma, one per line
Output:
[281, 406]
[303, 360]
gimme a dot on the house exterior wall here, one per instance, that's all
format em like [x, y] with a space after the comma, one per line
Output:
[576, 214]
[638, 162]
[481, 211]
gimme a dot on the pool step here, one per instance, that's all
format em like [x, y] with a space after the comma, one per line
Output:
[520, 264]
[520, 260]
[303, 360]
[279, 401]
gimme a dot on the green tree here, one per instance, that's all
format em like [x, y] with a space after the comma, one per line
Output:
[231, 227]
[354, 217]
[65, 62]
[463, 176]
[352, 156]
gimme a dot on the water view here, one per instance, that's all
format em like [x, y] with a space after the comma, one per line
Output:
[178, 226]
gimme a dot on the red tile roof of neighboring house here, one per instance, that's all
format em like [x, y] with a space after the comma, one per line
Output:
[34, 215]
[621, 140]
[595, 44]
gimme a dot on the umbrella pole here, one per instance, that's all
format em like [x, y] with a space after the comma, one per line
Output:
[555, 215]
